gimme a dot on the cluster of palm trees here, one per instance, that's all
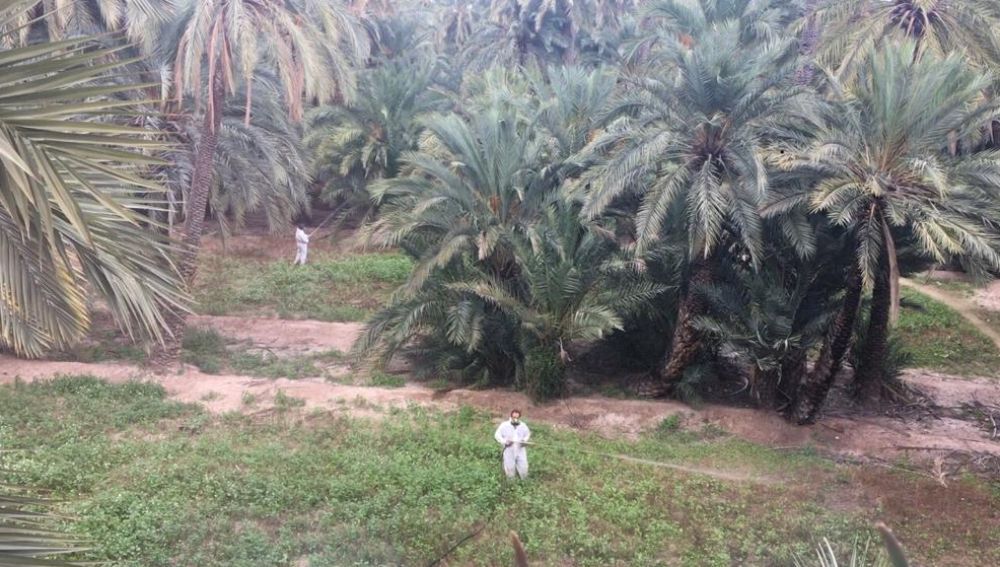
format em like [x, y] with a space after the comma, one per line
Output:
[757, 175]
[738, 183]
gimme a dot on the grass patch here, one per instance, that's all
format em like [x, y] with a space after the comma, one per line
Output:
[284, 402]
[270, 366]
[669, 425]
[383, 380]
[236, 492]
[329, 288]
[940, 339]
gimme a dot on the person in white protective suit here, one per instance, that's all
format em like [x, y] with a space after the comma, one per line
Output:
[513, 434]
[301, 246]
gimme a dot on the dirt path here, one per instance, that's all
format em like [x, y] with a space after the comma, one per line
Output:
[854, 436]
[989, 298]
[963, 307]
[861, 436]
[282, 335]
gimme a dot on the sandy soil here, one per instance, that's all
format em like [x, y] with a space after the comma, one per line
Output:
[854, 436]
[283, 336]
[989, 298]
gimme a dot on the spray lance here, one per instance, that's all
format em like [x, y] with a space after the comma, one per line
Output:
[320, 225]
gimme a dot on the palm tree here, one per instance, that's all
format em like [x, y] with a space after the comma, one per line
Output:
[850, 29]
[882, 171]
[569, 103]
[472, 186]
[454, 21]
[355, 144]
[573, 104]
[569, 289]
[44, 20]
[74, 202]
[770, 319]
[260, 167]
[679, 24]
[541, 32]
[311, 45]
[693, 152]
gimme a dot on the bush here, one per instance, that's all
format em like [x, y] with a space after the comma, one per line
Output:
[384, 380]
[545, 374]
[204, 348]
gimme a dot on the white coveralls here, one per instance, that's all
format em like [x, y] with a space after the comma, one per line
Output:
[515, 456]
[301, 246]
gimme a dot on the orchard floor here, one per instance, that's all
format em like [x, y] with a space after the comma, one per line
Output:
[259, 472]
[618, 481]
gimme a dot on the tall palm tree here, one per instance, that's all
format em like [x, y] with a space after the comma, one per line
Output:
[312, 46]
[260, 167]
[74, 202]
[882, 171]
[693, 151]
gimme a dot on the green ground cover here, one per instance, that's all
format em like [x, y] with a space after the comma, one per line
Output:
[155, 483]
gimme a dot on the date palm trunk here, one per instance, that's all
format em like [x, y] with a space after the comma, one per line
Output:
[194, 222]
[813, 389]
[686, 344]
[794, 368]
[764, 386]
[869, 376]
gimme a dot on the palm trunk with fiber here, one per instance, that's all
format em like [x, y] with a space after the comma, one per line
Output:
[194, 223]
[686, 343]
[764, 386]
[869, 376]
[793, 371]
[813, 389]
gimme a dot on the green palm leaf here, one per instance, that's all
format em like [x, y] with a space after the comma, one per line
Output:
[73, 204]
